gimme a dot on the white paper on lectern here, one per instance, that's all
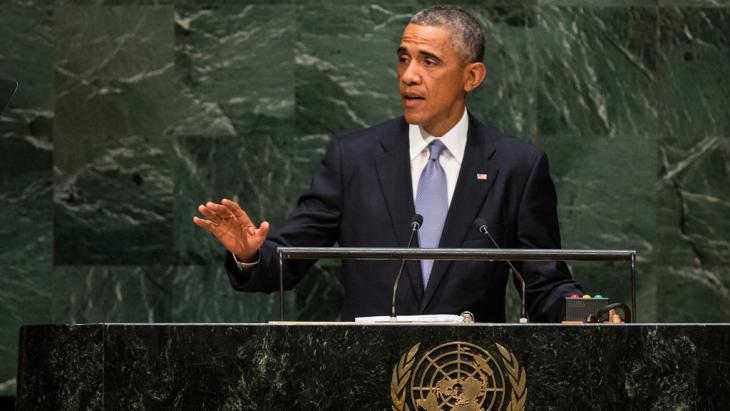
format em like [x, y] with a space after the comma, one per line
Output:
[433, 318]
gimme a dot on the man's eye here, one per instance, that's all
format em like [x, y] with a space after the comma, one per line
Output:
[402, 59]
[431, 62]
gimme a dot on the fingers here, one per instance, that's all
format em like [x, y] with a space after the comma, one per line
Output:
[613, 317]
[232, 227]
[235, 209]
[217, 214]
[208, 225]
[212, 216]
[220, 211]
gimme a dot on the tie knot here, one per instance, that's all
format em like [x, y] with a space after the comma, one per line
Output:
[435, 149]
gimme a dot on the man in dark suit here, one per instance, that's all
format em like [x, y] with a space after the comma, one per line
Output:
[436, 160]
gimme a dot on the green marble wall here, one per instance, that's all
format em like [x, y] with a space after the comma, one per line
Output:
[130, 113]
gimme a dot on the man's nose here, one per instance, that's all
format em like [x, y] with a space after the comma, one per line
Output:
[411, 74]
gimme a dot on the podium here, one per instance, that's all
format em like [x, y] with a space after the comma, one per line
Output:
[338, 366]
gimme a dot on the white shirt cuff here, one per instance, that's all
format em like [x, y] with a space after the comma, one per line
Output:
[245, 266]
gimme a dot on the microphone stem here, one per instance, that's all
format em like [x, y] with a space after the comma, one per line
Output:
[414, 228]
[523, 314]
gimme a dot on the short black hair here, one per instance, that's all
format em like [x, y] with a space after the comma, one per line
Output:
[468, 34]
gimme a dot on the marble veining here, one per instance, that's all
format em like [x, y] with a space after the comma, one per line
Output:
[132, 112]
[248, 366]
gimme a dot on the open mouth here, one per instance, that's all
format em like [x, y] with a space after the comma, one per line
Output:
[412, 97]
[411, 100]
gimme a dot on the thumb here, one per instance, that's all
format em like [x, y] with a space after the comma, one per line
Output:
[263, 231]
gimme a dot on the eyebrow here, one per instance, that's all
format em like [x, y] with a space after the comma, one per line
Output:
[421, 53]
[429, 55]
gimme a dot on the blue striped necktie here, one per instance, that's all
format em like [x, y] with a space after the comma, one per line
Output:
[432, 202]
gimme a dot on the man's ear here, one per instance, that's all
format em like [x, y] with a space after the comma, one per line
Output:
[474, 75]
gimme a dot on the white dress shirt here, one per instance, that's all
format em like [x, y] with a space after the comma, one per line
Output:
[450, 159]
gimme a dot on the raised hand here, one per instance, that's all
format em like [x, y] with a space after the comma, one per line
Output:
[233, 228]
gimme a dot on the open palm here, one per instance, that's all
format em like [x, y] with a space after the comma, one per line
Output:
[233, 228]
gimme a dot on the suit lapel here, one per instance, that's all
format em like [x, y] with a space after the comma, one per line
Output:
[394, 175]
[476, 177]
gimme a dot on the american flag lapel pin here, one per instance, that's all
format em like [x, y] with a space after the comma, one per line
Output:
[481, 176]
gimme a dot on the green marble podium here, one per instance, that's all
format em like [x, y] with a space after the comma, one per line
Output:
[337, 366]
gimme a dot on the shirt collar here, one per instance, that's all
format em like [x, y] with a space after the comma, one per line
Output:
[454, 139]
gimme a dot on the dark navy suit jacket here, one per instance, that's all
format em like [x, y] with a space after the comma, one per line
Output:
[361, 196]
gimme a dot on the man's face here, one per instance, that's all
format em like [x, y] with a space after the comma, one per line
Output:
[432, 76]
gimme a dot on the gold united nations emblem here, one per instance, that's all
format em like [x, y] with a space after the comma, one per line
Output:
[458, 376]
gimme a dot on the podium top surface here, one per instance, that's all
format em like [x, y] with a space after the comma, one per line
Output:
[340, 324]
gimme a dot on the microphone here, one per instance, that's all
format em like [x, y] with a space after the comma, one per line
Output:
[479, 222]
[416, 222]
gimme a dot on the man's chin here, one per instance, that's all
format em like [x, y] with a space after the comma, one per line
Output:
[412, 118]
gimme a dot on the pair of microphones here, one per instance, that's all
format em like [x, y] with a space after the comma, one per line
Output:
[417, 222]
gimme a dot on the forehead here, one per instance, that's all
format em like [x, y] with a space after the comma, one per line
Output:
[434, 39]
